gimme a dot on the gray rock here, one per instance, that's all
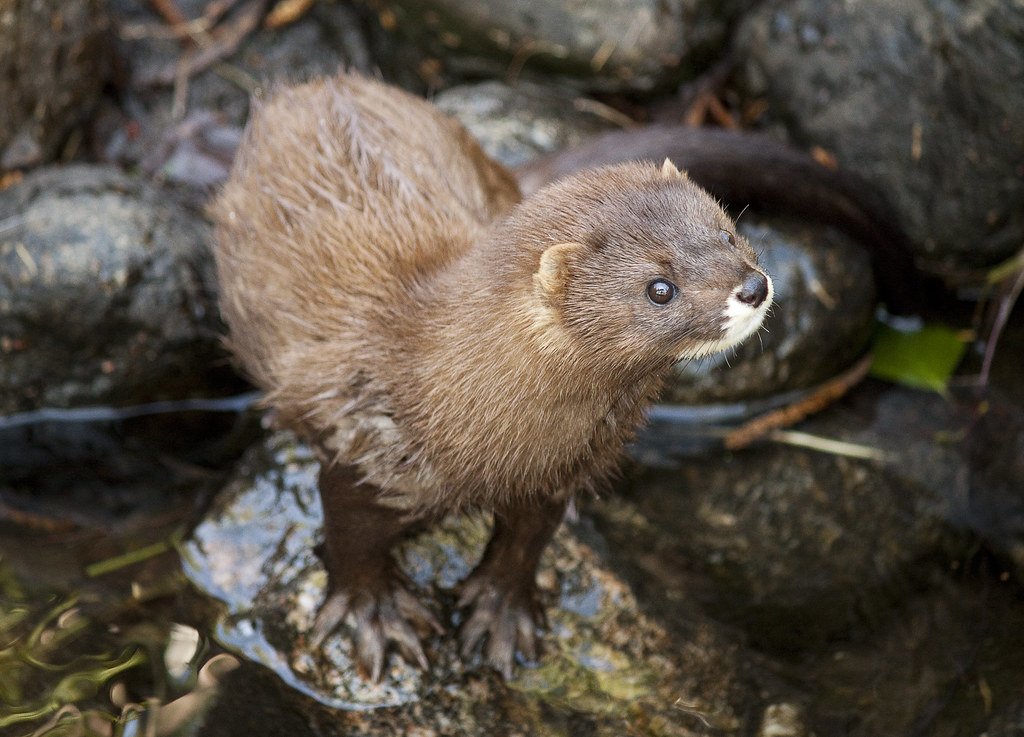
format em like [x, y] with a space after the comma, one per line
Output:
[1008, 721]
[54, 61]
[106, 292]
[608, 45]
[923, 98]
[516, 123]
[860, 576]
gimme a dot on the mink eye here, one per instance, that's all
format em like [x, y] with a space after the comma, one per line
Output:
[661, 291]
[727, 237]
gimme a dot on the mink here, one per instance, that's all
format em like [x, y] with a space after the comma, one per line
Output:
[444, 343]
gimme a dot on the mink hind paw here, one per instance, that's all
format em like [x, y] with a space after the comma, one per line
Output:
[507, 617]
[389, 616]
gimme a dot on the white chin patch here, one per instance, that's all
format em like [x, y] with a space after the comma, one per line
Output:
[740, 322]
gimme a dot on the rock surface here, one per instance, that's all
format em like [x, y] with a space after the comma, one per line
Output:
[607, 45]
[923, 98]
[107, 292]
[516, 123]
[191, 141]
[859, 577]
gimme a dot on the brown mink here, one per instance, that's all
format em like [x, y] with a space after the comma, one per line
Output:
[443, 344]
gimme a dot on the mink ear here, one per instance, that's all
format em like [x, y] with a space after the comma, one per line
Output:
[669, 171]
[556, 266]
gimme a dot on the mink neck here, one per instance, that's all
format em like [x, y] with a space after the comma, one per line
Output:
[486, 363]
[484, 313]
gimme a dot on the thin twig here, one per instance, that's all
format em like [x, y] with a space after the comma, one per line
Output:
[1006, 304]
[817, 400]
[225, 41]
[606, 112]
[169, 11]
[828, 445]
[34, 520]
[216, 9]
[162, 32]
[286, 11]
[130, 558]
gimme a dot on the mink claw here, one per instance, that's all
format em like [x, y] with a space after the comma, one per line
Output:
[391, 617]
[370, 648]
[411, 609]
[507, 619]
[329, 618]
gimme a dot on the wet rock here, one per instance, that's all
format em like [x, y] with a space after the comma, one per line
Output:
[822, 319]
[848, 577]
[994, 504]
[54, 61]
[864, 580]
[516, 123]
[1008, 721]
[944, 661]
[925, 99]
[607, 46]
[107, 292]
[604, 661]
[805, 545]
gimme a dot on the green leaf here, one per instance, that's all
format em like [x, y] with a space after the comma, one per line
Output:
[924, 359]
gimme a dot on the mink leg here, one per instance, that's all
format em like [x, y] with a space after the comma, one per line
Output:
[363, 580]
[502, 590]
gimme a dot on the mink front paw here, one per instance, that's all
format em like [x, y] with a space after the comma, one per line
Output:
[507, 616]
[388, 614]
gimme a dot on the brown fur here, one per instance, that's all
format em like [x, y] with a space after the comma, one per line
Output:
[379, 284]
[444, 344]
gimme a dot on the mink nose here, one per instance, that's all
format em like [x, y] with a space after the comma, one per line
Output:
[754, 289]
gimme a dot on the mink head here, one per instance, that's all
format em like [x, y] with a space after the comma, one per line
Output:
[639, 263]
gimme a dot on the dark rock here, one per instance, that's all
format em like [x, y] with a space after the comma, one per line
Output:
[925, 99]
[807, 544]
[993, 506]
[869, 583]
[907, 677]
[516, 123]
[54, 61]
[608, 46]
[107, 293]
[1008, 721]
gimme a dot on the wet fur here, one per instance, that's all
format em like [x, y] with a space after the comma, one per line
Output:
[383, 283]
